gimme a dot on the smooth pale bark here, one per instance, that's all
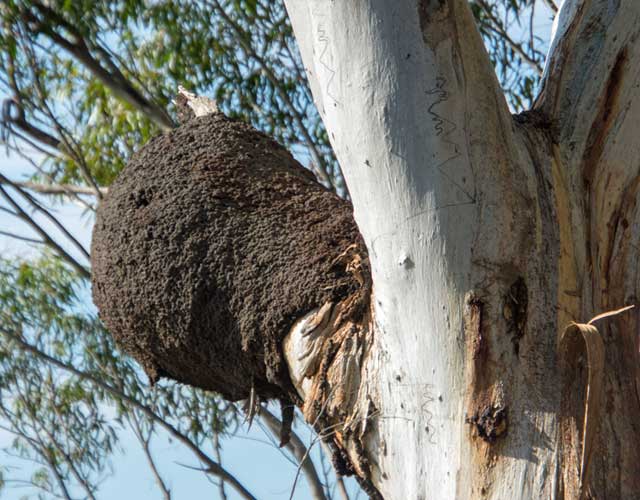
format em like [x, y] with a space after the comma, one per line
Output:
[487, 234]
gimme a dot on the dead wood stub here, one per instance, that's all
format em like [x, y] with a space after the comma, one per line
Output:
[209, 246]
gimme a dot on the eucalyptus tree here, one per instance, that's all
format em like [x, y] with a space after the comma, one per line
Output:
[88, 83]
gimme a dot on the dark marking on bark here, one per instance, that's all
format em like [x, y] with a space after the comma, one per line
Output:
[225, 242]
[607, 112]
[474, 330]
[516, 302]
[597, 139]
[619, 222]
[340, 460]
[540, 121]
[476, 352]
[574, 371]
[433, 16]
[490, 422]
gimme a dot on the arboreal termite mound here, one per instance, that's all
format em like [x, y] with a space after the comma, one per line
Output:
[210, 246]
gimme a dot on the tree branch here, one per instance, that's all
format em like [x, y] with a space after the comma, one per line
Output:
[517, 47]
[70, 146]
[37, 206]
[144, 442]
[9, 118]
[43, 234]
[74, 471]
[51, 462]
[69, 189]
[298, 450]
[62, 189]
[591, 96]
[26, 239]
[212, 467]
[114, 80]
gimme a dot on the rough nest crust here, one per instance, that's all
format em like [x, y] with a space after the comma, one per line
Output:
[210, 244]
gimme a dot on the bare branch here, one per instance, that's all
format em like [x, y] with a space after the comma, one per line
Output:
[145, 443]
[63, 189]
[517, 47]
[37, 206]
[45, 236]
[299, 450]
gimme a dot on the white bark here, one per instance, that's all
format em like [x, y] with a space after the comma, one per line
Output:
[467, 215]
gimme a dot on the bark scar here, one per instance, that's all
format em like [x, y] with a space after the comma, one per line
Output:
[490, 422]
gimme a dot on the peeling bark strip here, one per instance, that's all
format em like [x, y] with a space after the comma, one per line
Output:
[582, 357]
[326, 352]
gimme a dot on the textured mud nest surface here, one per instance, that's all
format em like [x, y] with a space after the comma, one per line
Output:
[210, 244]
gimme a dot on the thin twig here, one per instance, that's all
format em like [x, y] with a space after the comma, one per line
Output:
[144, 442]
[45, 236]
[216, 450]
[298, 450]
[21, 238]
[497, 26]
[37, 206]
[552, 6]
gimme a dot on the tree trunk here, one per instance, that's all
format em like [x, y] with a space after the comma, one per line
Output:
[487, 235]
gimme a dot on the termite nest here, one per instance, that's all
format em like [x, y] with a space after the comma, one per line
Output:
[209, 245]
